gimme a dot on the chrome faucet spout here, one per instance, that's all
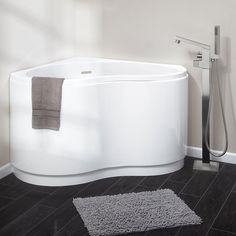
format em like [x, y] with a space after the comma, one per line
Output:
[203, 58]
[180, 39]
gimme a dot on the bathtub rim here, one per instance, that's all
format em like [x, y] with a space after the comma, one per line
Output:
[181, 74]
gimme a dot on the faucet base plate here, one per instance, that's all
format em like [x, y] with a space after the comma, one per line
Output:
[212, 166]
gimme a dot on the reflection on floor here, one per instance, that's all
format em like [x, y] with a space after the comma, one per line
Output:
[36, 210]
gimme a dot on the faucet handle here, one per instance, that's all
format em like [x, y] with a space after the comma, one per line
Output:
[199, 56]
[196, 62]
[202, 60]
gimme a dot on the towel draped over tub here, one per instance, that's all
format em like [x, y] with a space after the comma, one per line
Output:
[46, 102]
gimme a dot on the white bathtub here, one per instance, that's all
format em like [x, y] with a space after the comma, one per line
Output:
[117, 118]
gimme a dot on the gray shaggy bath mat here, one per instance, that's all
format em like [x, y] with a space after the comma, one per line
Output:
[134, 212]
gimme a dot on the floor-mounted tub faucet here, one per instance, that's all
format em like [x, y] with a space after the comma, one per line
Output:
[202, 60]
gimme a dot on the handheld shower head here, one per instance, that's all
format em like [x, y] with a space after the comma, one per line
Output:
[217, 40]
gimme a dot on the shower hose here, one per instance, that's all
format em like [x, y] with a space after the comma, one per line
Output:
[214, 69]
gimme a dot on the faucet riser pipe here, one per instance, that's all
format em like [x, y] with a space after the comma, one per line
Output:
[205, 108]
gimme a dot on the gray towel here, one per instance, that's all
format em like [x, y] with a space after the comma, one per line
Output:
[46, 102]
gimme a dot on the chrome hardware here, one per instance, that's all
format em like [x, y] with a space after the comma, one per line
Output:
[202, 61]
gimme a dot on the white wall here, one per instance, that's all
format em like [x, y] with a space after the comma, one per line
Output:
[39, 31]
[35, 32]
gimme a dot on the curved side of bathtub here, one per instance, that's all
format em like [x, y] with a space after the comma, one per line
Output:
[107, 129]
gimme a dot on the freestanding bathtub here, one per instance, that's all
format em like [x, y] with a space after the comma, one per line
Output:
[117, 118]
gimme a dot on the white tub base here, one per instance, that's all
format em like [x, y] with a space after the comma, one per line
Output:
[118, 118]
[48, 180]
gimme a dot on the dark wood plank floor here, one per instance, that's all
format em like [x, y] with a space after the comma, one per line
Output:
[36, 210]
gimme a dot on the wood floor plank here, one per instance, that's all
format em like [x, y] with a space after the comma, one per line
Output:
[10, 180]
[125, 185]
[45, 189]
[27, 221]
[176, 187]
[154, 182]
[19, 207]
[98, 187]
[163, 232]
[214, 232]
[226, 220]
[234, 189]
[191, 201]
[17, 191]
[3, 189]
[55, 221]
[4, 202]
[75, 227]
[20, 188]
[210, 204]
[199, 183]
[184, 174]
[57, 198]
